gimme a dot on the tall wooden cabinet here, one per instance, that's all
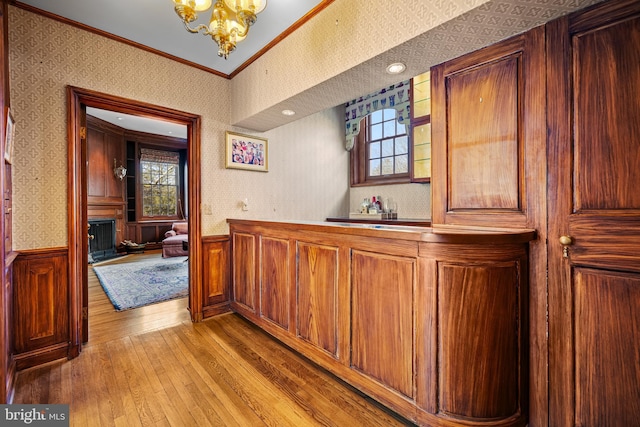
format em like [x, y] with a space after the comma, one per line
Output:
[593, 63]
[489, 167]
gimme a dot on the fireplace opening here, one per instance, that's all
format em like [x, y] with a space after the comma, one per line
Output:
[102, 239]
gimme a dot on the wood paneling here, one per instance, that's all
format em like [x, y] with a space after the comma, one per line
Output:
[216, 275]
[275, 283]
[382, 323]
[105, 143]
[441, 347]
[479, 335]
[41, 304]
[244, 270]
[317, 293]
[479, 137]
[607, 336]
[593, 59]
[487, 131]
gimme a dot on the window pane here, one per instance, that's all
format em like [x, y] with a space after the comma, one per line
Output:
[376, 132]
[387, 147]
[376, 116]
[374, 150]
[159, 188]
[401, 128]
[402, 145]
[389, 128]
[387, 166]
[389, 114]
[374, 167]
[402, 164]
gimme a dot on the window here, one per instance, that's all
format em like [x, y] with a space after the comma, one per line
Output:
[381, 152]
[160, 183]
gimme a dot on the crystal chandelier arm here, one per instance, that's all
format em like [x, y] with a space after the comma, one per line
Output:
[197, 29]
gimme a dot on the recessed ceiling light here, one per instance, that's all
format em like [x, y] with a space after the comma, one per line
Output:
[288, 112]
[396, 68]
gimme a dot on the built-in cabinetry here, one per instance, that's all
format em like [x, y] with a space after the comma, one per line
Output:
[105, 192]
[409, 315]
[593, 83]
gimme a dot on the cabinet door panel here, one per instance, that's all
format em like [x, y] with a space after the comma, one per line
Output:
[479, 330]
[244, 269]
[318, 296]
[382, 322]
[275, 283]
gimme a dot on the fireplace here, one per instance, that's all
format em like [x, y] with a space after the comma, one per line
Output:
[102, 239]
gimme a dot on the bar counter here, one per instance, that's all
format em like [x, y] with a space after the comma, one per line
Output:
[429, 321]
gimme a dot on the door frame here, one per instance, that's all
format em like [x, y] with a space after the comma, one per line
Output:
[78, 100]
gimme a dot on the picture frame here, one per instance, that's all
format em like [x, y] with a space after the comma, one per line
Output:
[246, 152]
[10, 134]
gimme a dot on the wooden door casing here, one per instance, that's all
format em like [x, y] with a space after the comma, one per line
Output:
[593, 82]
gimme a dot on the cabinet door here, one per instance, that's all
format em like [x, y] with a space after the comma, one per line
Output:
[275, 283]
[594, 176]
[244, 270]
[317, 296]
[382, 318]
[488, 135]
[41, 303]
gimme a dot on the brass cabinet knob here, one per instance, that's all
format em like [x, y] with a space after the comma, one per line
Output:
[566, 240]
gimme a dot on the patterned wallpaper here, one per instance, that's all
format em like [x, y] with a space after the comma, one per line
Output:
[308, 165]
[345, 34]
[323, 63]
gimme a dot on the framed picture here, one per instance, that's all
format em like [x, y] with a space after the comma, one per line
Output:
[247, 152]
[8, 144]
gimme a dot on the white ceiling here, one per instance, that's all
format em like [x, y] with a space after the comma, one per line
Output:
[159, 28]
[140, 124]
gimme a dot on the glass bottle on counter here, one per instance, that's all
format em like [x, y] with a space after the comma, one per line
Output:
[364, 206]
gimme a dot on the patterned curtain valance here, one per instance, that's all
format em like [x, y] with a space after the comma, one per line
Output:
[395, 96]
[159, 156]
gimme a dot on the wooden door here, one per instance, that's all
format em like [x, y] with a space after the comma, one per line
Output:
[593, 80]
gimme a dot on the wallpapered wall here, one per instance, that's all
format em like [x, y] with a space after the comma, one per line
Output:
[344, 35]
[308, 164]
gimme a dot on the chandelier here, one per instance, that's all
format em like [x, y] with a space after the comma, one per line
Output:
[229, 23]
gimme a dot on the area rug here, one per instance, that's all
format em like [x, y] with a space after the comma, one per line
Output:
[136, 284]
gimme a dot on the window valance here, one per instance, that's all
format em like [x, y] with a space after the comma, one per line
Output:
[159, 156]
[395, 96]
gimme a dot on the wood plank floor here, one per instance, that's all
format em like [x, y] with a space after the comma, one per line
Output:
[153, 367]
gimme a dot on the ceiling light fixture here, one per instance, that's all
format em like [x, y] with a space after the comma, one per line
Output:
[229, 23]
[288, 112]
[396, 68]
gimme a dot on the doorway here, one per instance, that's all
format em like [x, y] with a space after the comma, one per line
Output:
[79, 99]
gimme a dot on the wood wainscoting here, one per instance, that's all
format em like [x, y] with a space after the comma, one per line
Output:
[41, 306]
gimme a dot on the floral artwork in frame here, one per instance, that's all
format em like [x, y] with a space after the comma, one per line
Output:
[10, 133]
[246, 152]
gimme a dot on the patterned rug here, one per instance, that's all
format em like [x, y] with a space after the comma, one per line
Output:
[136, 284]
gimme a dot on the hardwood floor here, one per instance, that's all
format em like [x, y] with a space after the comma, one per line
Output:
[152, 366]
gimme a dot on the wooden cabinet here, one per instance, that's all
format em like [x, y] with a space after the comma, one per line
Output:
[488, 135]
[430, 322]
[41, 307]
[594, 274]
